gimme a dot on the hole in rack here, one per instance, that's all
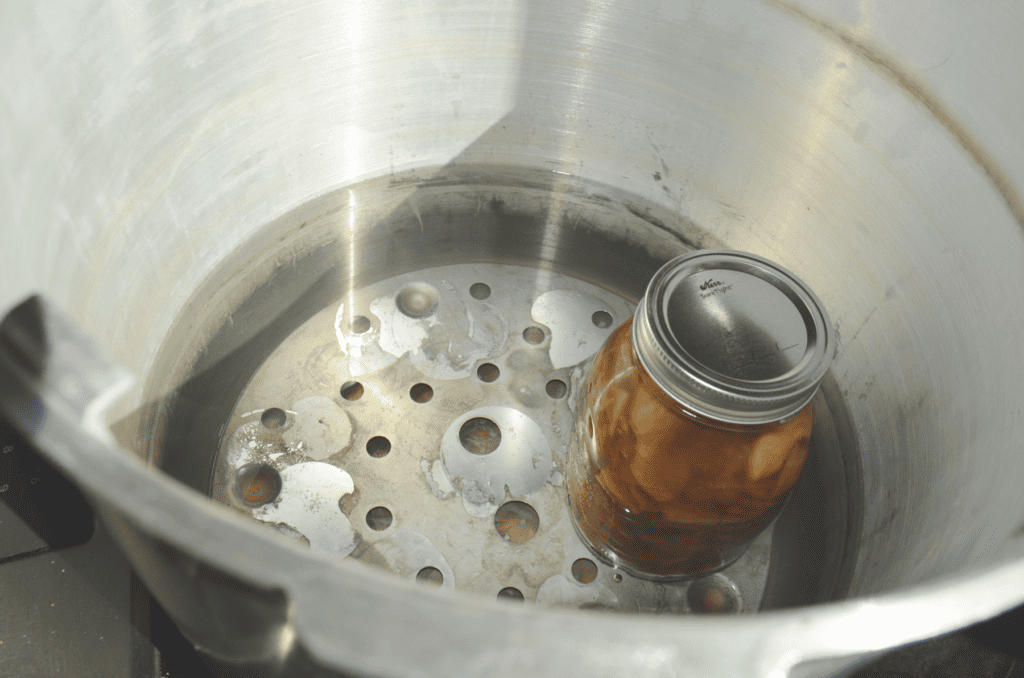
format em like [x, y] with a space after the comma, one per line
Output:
[352, 390]
[293, 534]
[378, 518]
[533, 335]
[617, 577]
[590, 426]
[714, 595]
[517, 522]
[602, 319]
[479, 290]
[378, 446]
[417, 300]
[421, 393]
[556, 388]
[584, 570]
[480, 436]
[511, 593]
[273, 418]
[257, 484]
[488, 372]
[360, 324]
[430, 575]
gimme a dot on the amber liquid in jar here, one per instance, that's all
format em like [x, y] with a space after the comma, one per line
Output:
[663, 492]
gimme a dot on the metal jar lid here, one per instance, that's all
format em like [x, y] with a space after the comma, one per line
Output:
[733, 337]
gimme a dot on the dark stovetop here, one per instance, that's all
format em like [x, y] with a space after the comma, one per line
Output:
[70, 605]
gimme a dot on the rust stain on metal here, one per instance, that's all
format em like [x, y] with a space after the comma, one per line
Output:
[892, 70]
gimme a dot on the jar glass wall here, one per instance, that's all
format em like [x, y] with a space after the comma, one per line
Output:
[664, 492]
[694, 419]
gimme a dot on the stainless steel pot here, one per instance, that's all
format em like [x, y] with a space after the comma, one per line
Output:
[875, 150]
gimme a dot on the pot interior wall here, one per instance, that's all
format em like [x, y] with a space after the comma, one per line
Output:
[162, 160]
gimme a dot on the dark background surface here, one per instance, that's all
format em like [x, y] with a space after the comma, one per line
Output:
[70, 605]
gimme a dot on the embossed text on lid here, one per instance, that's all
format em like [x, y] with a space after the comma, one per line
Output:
[733, 336]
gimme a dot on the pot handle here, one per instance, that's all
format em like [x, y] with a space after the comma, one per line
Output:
[56, 386]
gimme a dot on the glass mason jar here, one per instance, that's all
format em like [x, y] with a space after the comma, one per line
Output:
[694, 419]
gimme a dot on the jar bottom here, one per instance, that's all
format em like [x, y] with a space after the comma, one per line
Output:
[702, 558]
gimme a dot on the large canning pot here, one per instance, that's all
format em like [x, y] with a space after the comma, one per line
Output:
[190, 181]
